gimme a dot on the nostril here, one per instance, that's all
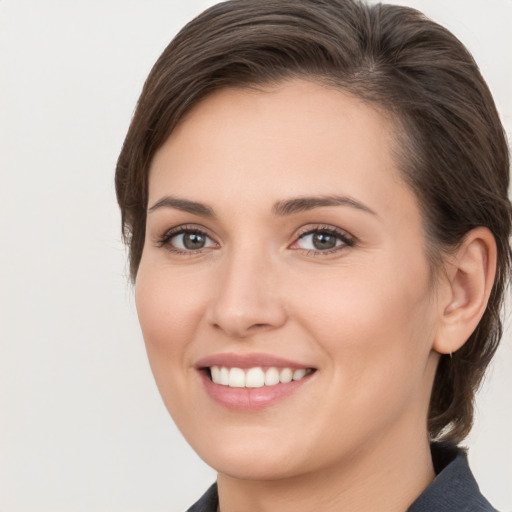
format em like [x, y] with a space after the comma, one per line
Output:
[241, 315]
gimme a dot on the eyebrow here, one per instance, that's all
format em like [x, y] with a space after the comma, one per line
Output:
[184, 205]
[302, 204]
[281, 208]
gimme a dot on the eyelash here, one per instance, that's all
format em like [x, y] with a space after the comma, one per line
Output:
[346, 239]
[165, 239]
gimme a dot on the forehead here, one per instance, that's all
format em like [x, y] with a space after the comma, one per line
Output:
[294, 138]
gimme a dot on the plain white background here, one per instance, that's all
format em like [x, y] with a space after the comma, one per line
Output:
[82, 427]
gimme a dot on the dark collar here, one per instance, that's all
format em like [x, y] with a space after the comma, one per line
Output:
[209, 502]
[453, 490]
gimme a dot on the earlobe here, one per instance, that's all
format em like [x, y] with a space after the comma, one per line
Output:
[470, 278]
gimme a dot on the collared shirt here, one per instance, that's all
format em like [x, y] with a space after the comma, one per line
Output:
[453, 490]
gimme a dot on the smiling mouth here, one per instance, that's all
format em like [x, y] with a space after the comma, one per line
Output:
[256, 377]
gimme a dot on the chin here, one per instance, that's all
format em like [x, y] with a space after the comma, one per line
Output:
[250, 455]
[257, 467]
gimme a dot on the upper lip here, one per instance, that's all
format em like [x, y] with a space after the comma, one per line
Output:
[244, 361]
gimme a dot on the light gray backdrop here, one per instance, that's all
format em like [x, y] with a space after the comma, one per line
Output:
[82, 427]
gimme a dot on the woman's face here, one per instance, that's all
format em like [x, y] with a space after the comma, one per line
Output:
[281, 242]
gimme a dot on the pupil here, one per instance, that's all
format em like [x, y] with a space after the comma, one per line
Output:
[193, 240]
[324, 241]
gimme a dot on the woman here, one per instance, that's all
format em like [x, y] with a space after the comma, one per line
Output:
[314, 194]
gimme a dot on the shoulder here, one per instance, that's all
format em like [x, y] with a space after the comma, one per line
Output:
[454, 489]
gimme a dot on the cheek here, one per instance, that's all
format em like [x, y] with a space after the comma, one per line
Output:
[169, 310]
[375, 324]
[168, 306]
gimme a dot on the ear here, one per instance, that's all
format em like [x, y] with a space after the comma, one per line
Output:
[469, 279]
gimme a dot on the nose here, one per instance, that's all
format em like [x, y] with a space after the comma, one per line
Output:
[246, 300]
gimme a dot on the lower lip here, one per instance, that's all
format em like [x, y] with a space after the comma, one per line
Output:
[250, 399]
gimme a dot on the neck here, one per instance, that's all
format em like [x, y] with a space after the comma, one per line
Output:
[387, 477]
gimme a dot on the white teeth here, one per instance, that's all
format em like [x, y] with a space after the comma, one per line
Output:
[215, 373]
[236, 378]
[285, 375]
[298, 374]
[254, 377]
[224, 377]
[271, 377]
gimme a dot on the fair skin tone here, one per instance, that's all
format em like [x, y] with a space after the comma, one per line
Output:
[234, 265]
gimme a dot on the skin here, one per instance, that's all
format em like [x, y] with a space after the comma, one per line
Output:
[365, 315]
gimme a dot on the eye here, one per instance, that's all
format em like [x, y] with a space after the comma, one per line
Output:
[324, 239]
[181, 240]
[191, 241]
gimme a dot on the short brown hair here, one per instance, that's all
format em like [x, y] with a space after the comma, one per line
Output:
[452, 148]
